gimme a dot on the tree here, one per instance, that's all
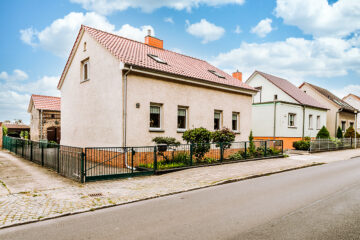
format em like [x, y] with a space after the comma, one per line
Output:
[339, 133]
[224, 136]
[252, 148]
[323, 133]
[200, 138]
[26, 135]
[350, 133]
[166, 140]
[4, 130]
[22, 134]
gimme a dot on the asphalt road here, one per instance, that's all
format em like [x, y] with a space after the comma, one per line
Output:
[321, 202]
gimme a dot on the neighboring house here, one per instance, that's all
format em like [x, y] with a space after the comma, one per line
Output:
[120, 92]
[354, 101]
[14, 129]
[282, 111]
[340, 113]
[45, 118]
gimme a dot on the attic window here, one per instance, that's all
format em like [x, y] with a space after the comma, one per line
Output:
[216, 74]
[156, 58]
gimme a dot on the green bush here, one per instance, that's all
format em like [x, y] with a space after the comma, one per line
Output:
[22, 134]
[252, 148]
[301, 145]
[166, 140]
[350, 133]
[201, 138]
[223, 136]
[323, 133]
[339, 133]
[237, 156]
[4, 130]
[181, 158]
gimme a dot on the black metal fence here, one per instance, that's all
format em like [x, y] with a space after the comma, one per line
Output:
[63, 159]
[322, 145]
[112, 162]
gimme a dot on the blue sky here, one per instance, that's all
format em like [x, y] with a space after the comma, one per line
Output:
[319, 44]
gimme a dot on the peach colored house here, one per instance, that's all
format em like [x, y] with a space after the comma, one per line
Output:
[354, 101]
[340, 112]
[120, 92]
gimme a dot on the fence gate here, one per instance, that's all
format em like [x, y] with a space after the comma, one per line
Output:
[118, 162]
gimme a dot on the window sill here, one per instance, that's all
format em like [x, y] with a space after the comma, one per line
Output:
[236, 132]
[156, 130]
[83, 81]
[311, 129]
[181, 130]
[292, 127]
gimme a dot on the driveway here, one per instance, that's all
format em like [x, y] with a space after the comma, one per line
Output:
[30, 192]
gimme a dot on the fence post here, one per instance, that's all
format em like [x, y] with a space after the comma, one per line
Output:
[265, 148]
[155, 160]
[16, 146]
[42, 153]
[282, 147]
[31, 150]
[191, 154]
[221, 152]
[58, 159]
[245, 153]
[83, 159]
[132, 160]
[351, 141]
[22, 148]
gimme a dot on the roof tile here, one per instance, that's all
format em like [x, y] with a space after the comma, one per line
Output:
[46, 102]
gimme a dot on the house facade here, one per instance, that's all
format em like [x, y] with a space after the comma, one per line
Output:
[120, 92]
[340, 113]
[354, 101]
[282, 111]
[45, 120]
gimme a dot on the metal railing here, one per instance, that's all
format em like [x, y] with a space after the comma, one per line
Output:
[96, 163]
[321, 145]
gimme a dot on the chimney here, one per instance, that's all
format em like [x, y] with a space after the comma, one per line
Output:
[237, 75]
[153, 41]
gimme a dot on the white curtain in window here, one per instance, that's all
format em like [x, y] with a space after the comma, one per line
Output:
[154, 109]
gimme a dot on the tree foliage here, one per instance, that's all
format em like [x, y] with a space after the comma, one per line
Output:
[252, 148]
[224, 136]
[4, 130]
[166, 140]
[350, 133]
[339, 133]
[323, 133]
[200, 138]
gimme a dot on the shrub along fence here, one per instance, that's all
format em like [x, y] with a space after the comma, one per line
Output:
[322, 145]
[97, 163]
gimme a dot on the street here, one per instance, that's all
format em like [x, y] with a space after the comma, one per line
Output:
[321, 202]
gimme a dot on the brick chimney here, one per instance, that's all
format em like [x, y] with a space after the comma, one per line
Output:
[153, 41]
[237, 75]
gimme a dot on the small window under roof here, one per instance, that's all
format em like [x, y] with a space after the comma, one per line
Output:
[156, 58]
[216, 74]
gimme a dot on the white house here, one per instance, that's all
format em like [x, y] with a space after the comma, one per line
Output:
[354, 101]
[282, 111]
[120, 92]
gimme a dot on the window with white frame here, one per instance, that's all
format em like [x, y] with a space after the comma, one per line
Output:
[182, 118]
[310, 121]
[343, 126]
[318, 122]
[292, 118]
[217, 120]
[85, 70]
[155, 116]
[235, 121]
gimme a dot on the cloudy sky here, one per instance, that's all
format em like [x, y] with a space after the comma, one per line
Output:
[300, 40]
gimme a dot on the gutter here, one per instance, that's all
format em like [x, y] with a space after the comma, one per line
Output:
[41, 124]
[274, 133]
[125, 116]
[303, 125]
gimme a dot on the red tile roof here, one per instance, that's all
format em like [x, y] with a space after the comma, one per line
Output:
[292, 90]
[46, 102]
[15, 126]
[136, 53]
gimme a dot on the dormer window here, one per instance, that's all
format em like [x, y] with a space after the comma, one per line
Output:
[156, 58]
[216, 74]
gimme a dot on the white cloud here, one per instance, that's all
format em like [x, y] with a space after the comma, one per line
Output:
[60, 35]
[205, 30]
[263, 28]
[319, 18]
[109, 6]
[237, 30]
[342, 92]
[177, 50]
[295, 58]
[169, 20]
[15, 93]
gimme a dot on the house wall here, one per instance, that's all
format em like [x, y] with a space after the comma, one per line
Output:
[348, 118]
[263, 126]
[333, 118]
[34, 124]
[91, 111]
[268, 90]
[201, 103]
[355, 102]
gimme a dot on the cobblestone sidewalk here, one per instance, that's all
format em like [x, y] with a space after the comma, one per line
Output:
[35, 193]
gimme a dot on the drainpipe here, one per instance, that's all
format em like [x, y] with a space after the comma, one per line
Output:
[41, 124]
[355, 126]
[303, 125]
[125, 114]
[274, 119]
[336, 121]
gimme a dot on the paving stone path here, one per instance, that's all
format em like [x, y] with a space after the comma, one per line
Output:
[29, 192]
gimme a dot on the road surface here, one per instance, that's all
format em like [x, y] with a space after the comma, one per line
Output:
[321, 202]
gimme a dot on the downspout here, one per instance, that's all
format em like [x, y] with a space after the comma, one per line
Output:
[303, 125]
[41, 124]
[125, 114]
[274, 133]
[336, 121]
